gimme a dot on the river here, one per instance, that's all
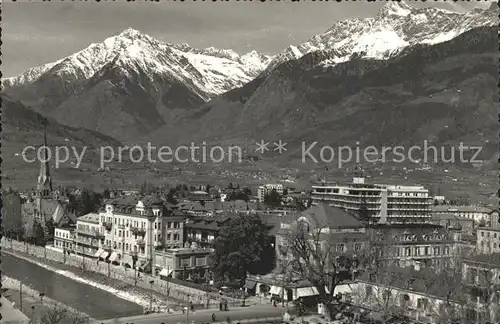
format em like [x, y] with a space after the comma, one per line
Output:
[97, 303]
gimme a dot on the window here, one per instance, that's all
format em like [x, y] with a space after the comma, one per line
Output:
[437, 250]
[407, 251]
[201, 261]
[482, 233]
[426, 250]
[184, 262]
[341, 247]
[358, 247]
[422, 303]
[495, 235]
[126, 246]
[168, 237]
[169, 224]
[176, 237]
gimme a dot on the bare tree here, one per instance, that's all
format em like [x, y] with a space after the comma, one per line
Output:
[319, 257]
[57, 314]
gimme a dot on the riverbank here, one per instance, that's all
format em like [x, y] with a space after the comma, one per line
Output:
[129, 292]
[30, 303]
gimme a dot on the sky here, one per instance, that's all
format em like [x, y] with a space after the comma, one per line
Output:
[36, 33]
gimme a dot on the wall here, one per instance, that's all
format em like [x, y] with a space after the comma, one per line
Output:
[121, 273]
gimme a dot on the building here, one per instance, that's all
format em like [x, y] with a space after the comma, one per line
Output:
[134, 227]
[488, 237]
[336, 225]
[45, 205]
[424, 245]
[189, 263]
[64, 238]
[482, 276]
[89, 235]
[203, 231]
[467, 225]
[384, 203]
[266, 189]
[476, 213]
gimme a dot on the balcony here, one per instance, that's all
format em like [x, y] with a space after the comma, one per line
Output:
[140, 242]
[121, 226]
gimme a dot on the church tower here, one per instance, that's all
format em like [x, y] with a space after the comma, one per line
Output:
[44, 184]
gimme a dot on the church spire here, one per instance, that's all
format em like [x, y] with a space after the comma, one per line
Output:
[44, 185]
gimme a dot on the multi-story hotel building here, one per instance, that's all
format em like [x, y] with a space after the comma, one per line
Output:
[89, 235]
[133, 228]
[384, 203]
[266, 190]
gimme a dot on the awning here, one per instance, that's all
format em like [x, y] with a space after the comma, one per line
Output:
[104, 255]
[127, 259]
[275, 290]
[307, 291]
[165, 272]
[250, 284]
[114, 257]
[98, 253]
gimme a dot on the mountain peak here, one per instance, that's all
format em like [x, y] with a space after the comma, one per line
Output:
[396, 8]
[130, 33]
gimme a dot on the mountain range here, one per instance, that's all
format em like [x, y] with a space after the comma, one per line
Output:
[405, 75]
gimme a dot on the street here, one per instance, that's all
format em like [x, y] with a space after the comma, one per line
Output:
[204, 316]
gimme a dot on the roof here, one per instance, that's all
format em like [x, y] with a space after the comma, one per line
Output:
[89, 218]
[323, 215]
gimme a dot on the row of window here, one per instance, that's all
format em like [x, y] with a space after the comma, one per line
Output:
[416, 251]
[62, 234]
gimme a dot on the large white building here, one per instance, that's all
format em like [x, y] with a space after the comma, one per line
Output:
[266, 190]
[476, 213]
[384, 203]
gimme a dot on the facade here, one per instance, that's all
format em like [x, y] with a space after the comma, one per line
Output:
[423, 245]
[488, 238]
[64, 238]
[133, 228]
[482, 277]
[267, 188]
[89, 235]
[478, 214]
[190, 263]
[382, 203]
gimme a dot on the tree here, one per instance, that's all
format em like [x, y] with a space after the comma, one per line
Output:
[12, 222]
[272, 199]
[315, 258]
[87, 202]
[60, 315]
[38, 233]
[171, 197]
[243, 245]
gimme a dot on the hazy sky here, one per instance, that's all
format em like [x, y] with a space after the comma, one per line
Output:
[38, 33]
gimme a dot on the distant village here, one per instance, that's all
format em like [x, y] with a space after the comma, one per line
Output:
[173, 232]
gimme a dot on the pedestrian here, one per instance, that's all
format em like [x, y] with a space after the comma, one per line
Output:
[213, 317]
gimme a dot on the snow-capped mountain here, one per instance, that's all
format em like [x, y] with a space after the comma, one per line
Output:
[210, 71]
[395, 27]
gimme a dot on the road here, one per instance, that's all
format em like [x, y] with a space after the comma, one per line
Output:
[260, 311]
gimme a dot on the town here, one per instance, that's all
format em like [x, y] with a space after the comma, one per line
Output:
[355, 251]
